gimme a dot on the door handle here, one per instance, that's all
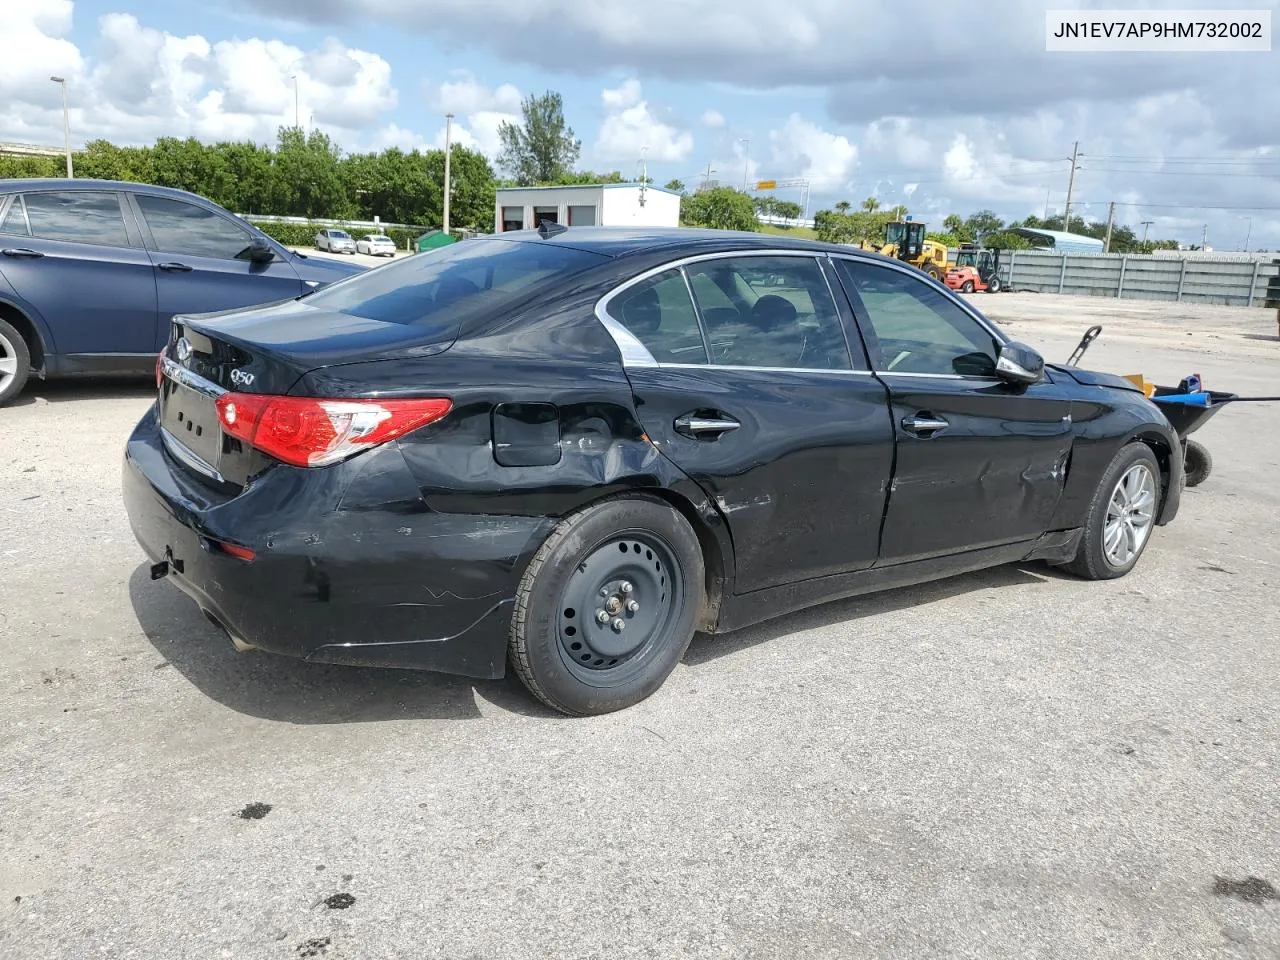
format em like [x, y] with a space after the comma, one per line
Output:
[924, 423]
[22, 252]
[692, 425]
[174, 267]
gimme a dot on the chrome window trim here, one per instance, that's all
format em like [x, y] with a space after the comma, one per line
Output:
[948, 295]
[636, 355]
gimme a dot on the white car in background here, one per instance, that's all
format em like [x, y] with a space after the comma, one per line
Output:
[376, 245]
[335, 241]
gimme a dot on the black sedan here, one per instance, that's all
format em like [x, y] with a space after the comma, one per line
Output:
[570, 449]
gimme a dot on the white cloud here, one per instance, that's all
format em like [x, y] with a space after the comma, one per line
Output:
[630, 129]
[142, 83]
[479, 111]
[825, 159]
[713, 119]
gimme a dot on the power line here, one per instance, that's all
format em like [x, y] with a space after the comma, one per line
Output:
[1182, 206]
[1184, 173]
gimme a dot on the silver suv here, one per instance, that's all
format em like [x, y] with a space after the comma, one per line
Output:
[335, 241]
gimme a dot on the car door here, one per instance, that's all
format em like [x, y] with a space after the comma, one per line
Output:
[73, 256]
[753, 391]
[980, 461]
[201, 261]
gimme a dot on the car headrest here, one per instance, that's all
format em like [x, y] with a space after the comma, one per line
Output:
[451, 289]
[642, 313]
[772, 311]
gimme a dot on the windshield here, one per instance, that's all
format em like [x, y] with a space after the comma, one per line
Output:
[442, 287]
[895, 232]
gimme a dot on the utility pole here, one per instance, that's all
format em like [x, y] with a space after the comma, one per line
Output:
[746, 162]
[1204, 237]
[448, 137]
[1071, 182]
[1111, 216]
[66, 121]
[1046, 202]
[1145, 225]
[297, 119]
[1247, 232]
[706, 179]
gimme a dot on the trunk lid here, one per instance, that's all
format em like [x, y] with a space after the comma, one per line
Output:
[262, 351]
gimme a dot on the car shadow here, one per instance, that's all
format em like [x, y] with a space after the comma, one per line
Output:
[706, 647]
[292, 691]
[67, 391]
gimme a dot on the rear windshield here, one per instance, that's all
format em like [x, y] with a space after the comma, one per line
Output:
[443, 287]
[339, 235]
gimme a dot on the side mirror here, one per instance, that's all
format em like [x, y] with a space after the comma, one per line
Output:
[1018, 363]
[260, 251]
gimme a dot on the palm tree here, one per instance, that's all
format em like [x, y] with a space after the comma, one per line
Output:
[871, 204]
[843, 207]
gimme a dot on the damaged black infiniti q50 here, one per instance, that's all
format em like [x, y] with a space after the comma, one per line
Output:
[569, 450]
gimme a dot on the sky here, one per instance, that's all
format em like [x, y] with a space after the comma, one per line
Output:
[946, 108]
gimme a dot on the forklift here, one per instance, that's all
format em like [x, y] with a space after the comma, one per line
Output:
[976, 269]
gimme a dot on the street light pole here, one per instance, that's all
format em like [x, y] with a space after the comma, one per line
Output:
[1248, 230]
[448, 137]
[746, 162]
[66, 121]
[297, 119]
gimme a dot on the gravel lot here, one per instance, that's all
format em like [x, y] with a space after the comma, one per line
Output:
[1009, 764]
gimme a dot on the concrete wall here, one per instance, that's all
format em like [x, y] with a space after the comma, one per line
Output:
[1242, 281]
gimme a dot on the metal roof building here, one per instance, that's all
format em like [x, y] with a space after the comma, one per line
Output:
[1060, 240]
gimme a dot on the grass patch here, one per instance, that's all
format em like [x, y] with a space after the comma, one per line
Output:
[800, 233]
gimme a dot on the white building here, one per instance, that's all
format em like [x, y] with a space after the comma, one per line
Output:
[593, 205]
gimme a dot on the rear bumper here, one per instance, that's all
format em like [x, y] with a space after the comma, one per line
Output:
[350, 565]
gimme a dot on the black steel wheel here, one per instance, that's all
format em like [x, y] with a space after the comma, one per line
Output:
[608, 606]
[1198, 463]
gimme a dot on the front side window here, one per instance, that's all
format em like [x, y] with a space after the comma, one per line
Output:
[769, 312]
[188, 230]
[443, 287]
[79, 216]
[659, 314]
[915, 328]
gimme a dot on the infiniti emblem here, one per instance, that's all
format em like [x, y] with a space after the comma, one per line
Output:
[184, 349]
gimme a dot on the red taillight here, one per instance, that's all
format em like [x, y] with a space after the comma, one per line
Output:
[160, 370]
[312, 432]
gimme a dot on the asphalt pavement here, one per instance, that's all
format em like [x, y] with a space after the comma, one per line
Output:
[1008, 764]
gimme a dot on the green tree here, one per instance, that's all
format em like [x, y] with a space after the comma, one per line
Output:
[719, 208]
[676, 185]
[307, 182]
[871, 205]
[542, 147]
[843, 206]
[765, 205]
[979, 224]
[787, 209]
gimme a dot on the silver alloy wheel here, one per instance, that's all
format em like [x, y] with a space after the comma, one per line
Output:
[1130, 514]
[8, 362]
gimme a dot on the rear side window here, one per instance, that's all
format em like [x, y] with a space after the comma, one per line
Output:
[446, 286]
[183, 228]
[81, 216]
[15, 219]
[659, 313]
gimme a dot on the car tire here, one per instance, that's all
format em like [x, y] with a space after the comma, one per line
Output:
[1199, 463]
[633, 561]
[13, 353]
[1113, 540]
[967, 287]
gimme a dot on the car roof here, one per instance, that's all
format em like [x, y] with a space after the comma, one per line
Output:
[676, 241]
[62, 183]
